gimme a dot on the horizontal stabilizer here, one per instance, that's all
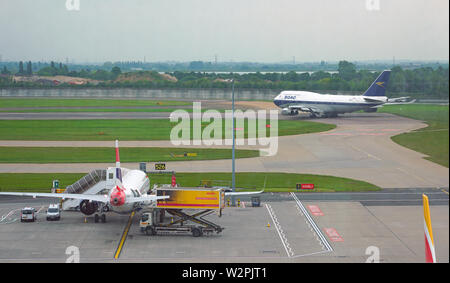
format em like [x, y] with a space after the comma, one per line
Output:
[400, 103]
[372, 99]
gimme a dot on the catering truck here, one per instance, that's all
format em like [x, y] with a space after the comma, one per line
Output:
[186, 209]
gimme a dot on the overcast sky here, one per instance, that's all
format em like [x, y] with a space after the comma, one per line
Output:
[235, 30]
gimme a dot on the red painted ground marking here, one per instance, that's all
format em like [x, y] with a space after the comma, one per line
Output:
[315, 210]
[373, 134]
[336, 134]
[333, 235]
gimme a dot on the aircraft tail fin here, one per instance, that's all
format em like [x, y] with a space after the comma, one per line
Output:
[378, 87]
[118, 169]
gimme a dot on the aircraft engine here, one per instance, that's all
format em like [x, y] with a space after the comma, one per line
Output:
[287, 111]
[88, 207]
[371, 110]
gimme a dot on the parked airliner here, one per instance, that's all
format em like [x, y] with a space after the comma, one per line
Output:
[327, 105]
[127, 194]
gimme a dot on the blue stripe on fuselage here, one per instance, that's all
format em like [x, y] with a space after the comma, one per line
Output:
[284, 102]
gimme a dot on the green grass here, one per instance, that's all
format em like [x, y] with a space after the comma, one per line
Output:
[35, 182]
[432, 140]
[37, 102]
[109, 130]
[104, 155]
[33, 110]
[275, 182]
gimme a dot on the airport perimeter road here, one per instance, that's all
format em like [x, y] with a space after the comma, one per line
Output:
[360, 147]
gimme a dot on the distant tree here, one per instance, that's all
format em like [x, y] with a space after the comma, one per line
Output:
[115, 71]
[101, 75]
[52, 64]
[347, 70]
[320, 75]
[303, 76]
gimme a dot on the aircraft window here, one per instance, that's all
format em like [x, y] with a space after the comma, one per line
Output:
[111, 176]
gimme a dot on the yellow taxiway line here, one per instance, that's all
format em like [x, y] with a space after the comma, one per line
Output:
[124, 236]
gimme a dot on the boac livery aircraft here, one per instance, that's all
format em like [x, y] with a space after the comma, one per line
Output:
[328, 105]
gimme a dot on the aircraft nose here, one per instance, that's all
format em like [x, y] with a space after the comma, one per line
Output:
[276, 100]
[117, 197]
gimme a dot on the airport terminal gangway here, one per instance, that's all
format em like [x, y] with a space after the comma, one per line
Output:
[86, 182]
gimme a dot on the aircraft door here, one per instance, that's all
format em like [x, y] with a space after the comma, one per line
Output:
[111, 176]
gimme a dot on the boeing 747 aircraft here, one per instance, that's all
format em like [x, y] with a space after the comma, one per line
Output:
[327, 105]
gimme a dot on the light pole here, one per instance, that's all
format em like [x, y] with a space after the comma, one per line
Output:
[233, 177]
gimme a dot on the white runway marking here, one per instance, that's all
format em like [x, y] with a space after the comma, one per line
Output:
[322, 238]
[283, 238]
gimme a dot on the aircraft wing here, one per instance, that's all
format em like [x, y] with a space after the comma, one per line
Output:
[305, 108]
[242, 193]
[98, 198]
[146, 198]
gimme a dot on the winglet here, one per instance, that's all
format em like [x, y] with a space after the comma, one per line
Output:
[430, 254]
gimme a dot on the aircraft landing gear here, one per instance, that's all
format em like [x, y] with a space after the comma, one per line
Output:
[101, 218]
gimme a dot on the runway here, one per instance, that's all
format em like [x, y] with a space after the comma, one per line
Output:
[360, 147]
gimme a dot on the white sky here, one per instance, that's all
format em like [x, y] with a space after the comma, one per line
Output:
[237, 30]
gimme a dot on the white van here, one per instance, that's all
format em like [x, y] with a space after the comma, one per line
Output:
[28, 214]
[53, 212]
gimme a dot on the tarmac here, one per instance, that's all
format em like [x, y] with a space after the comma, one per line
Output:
[384, 226]
[286, 228]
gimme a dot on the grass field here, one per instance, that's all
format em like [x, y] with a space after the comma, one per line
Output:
[34, 110]
[104, 155]
[109, 130]
[270, 182]
[39, 102]
[432, 140]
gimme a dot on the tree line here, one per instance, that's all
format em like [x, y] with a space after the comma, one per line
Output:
[419, 82]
